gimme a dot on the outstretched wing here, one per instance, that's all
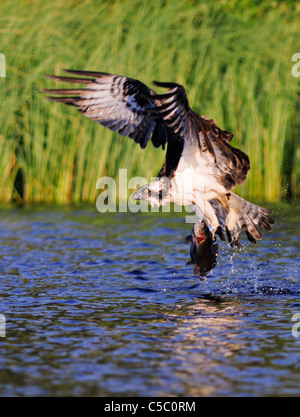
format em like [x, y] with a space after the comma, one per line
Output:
[232, 165]
[117, 102]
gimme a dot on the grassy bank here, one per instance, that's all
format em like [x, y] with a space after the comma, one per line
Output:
[234, 59]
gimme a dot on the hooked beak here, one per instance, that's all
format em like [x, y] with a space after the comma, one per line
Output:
[136, 196]
[141, 193]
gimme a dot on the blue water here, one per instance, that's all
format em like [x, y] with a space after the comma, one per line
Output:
[104, 305]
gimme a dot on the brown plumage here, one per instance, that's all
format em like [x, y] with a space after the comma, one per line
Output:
[199, 154]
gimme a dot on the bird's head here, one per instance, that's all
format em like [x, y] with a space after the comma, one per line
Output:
[150, 193]
[141, 193]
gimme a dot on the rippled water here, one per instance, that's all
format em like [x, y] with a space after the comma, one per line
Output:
[105, 305]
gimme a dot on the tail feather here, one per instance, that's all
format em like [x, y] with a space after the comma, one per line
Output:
[241, 215]
[246, 224]
[249, 216]
[250, 237]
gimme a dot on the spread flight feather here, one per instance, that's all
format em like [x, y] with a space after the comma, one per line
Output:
[201, 165]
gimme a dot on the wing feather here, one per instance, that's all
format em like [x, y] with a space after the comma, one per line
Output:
[122, 104]
[132, 109]
[173, 107]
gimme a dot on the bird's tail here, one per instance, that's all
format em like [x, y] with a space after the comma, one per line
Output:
[245, 216]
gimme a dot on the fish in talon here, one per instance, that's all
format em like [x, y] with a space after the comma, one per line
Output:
[203, 250]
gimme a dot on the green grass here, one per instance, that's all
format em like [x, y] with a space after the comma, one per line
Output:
[233, 57]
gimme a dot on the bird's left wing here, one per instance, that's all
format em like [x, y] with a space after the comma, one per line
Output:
[173, 107]
[232, 165]
[122, 104]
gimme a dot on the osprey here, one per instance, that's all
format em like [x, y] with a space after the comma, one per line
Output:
[201, 167]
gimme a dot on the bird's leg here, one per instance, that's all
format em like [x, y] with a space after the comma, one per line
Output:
[205, 212]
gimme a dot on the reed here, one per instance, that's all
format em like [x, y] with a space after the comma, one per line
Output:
[234, 58]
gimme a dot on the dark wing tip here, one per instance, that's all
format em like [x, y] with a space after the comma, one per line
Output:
[63, 91]
[51, 98]
[166, 85]
[52, 77]
[88, 73]
[81, 73]
[77, 80]
[66, 100]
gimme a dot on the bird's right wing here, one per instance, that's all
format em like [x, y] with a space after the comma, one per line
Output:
[122, 104]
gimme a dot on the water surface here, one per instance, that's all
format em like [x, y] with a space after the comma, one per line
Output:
[105, 305]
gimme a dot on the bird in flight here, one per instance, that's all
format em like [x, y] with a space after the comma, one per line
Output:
[201, 167]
